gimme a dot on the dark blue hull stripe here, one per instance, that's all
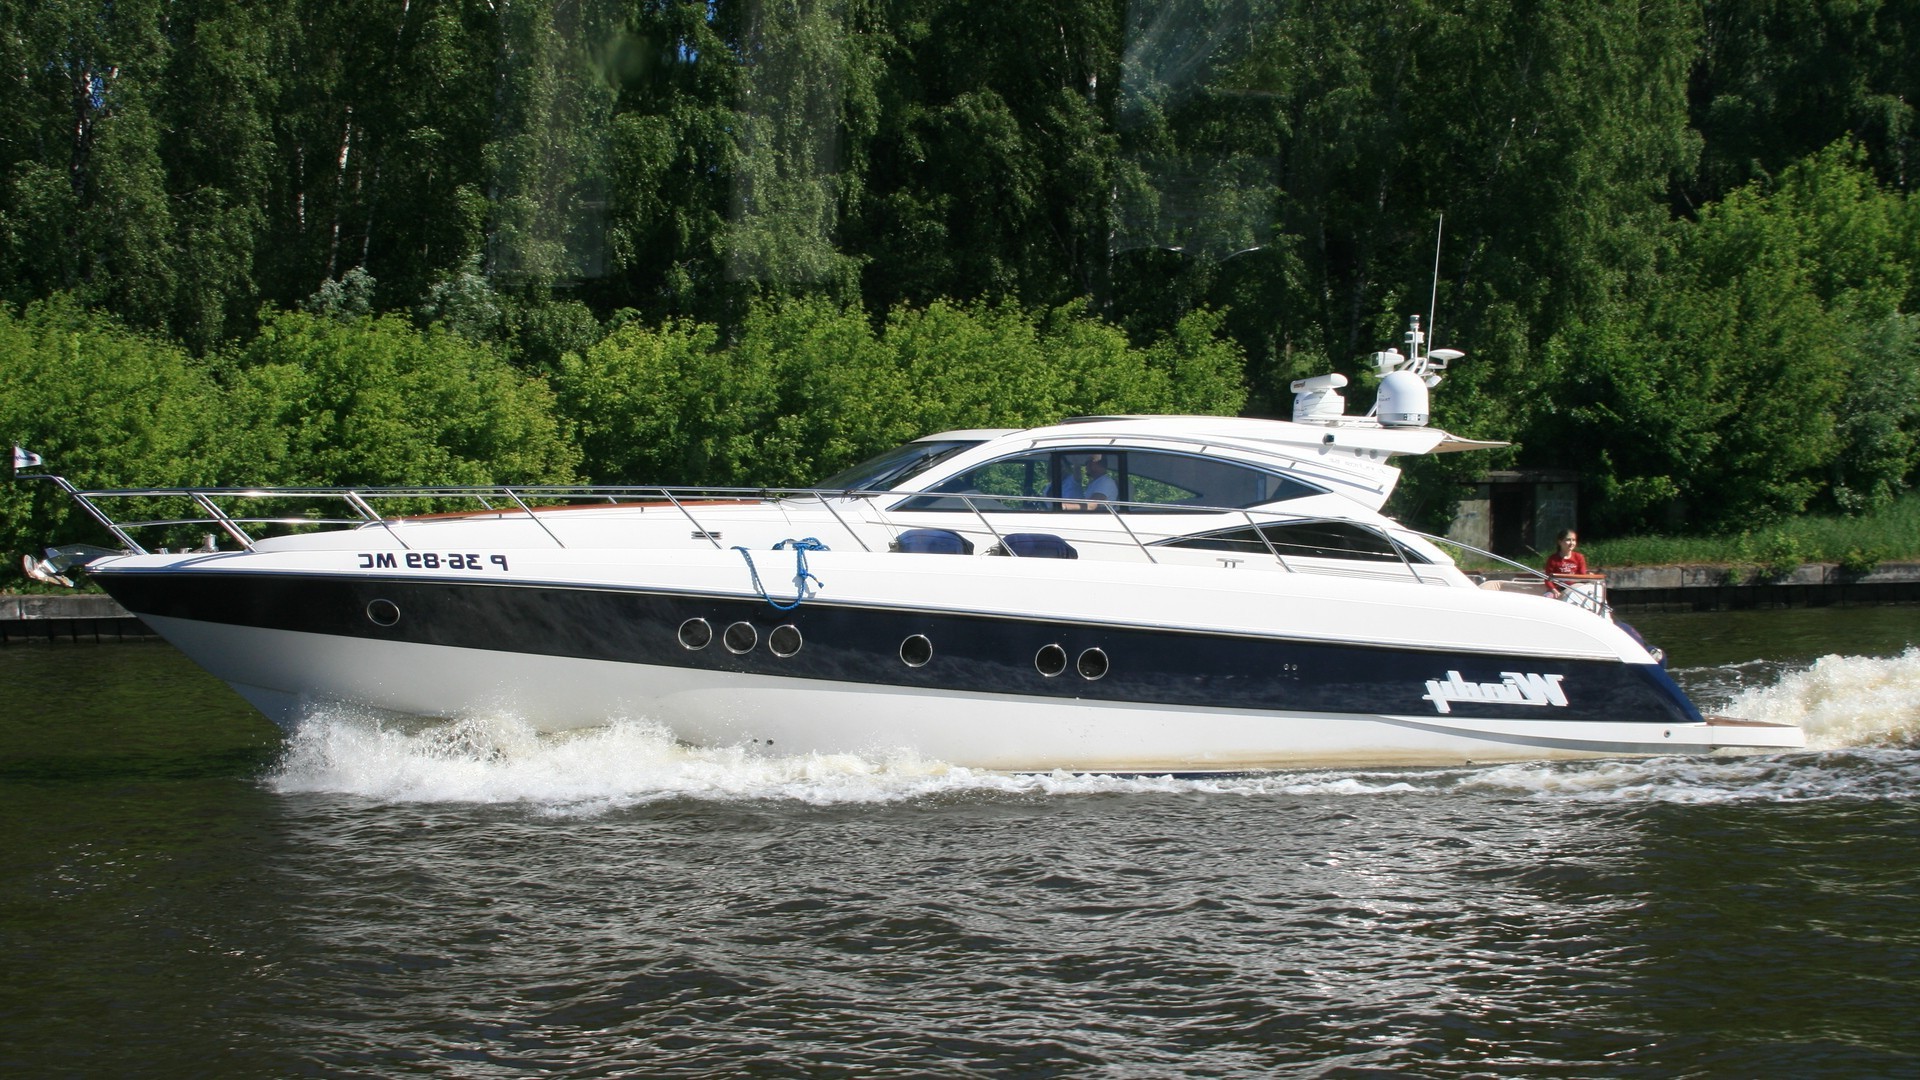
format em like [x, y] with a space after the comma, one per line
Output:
[964, 652]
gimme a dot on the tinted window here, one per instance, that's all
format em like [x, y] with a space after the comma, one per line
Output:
[1161, 480]
[898, 465]
[1150, 476]
[1304, 539]
[1006, 484]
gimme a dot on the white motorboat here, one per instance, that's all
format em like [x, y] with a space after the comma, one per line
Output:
[1129, 594]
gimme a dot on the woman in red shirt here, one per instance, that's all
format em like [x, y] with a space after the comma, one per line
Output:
[1564, 559]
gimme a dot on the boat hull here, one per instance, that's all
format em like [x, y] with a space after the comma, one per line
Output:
[969, 688]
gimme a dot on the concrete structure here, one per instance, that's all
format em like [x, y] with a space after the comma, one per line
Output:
[66, 616]
[1518, 512]
[1722, 588]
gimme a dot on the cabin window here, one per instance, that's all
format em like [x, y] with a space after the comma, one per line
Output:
[1177, 481]
[896, 466]
[1044, 480]
[1306, 540]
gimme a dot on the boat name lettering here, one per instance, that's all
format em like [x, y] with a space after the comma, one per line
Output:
[430, 560]
[1514, 688]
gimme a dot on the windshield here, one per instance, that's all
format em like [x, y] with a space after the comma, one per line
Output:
[1142, 481]
[896, 466]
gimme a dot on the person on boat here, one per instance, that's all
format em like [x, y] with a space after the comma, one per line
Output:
[1100, 483]
[1072, 487]
[1086, 481]
[1565, 560]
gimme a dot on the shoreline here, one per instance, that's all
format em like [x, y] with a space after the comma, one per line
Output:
[1740, 588]
[96, 617]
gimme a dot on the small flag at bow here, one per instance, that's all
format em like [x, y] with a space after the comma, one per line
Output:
[24, 459]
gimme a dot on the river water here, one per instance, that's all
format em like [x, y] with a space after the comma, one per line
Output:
[183, 893]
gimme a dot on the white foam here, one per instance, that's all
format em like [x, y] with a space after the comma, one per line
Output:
[503, 759]
[1862, 715]
[1844, 701]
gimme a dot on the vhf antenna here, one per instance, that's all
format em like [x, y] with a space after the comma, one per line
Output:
[1433, 301]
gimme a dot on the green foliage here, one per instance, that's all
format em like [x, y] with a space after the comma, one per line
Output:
[1762, 367]
[977, 367]
[323, 402]
[1858, 541]
[811, 388]
[659, 405]
[1776, 553]
[105, 406]
[1859, 563]
[836, 394]
[461, 302]
[539, 334]
[1776, 82]
[1878, 426]
[348, 297]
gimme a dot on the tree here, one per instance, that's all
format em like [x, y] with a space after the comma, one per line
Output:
[88, 207]
[1744, 382]
[1777, 82]
[104, 405]
[372, 401]
[663, 406]
[215, 102]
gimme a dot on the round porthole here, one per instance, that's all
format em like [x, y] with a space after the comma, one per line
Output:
[383, 612]
[785, 640]
[1051, 660]
[696, 634]
[916, 651]
[1092, 665]
[740, 637]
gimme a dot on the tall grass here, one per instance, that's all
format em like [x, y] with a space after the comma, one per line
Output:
[1856, 543]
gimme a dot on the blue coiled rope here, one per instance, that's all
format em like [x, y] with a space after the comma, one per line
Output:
[801, 575]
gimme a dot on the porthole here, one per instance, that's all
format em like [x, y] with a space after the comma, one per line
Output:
[1092, 665]
[696, 634]
[785, 640]
[916, 651]
[1051, 660]
[383, 612]
[740, 638]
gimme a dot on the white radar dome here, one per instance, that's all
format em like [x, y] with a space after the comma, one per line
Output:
[1402, 401]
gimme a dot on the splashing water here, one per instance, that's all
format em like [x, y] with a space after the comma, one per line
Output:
[504, 759]
[1862, 716]
[1844, 701]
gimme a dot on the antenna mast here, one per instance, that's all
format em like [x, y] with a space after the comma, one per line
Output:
[1433, 301]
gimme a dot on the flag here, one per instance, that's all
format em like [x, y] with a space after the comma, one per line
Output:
[24, 459]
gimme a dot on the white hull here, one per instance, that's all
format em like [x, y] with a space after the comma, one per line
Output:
[287, 674]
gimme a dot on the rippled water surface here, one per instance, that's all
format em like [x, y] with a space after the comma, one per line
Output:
[186, 894]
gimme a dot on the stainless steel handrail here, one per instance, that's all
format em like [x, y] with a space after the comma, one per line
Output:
[216, 509]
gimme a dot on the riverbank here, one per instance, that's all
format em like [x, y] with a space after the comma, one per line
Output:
[95, 617]
[66, 617]
[1724, 588]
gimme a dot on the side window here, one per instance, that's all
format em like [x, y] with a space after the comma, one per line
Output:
[1151, 480]
[1183, 480]
[1003, 485]
[1016, 478]
[1305, 539]
[1161, 481]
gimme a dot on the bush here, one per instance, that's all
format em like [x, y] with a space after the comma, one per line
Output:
[106, 407]
[1857, 563]
[320, 401]
[1777, 555]
[809, 388]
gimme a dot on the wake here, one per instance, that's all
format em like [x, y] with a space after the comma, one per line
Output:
[1861, 714]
